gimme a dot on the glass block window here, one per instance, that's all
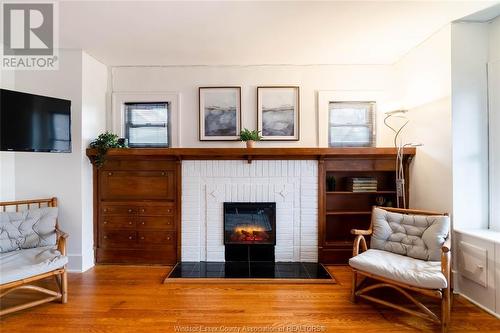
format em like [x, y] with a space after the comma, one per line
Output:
[351, 124]
[147, 124]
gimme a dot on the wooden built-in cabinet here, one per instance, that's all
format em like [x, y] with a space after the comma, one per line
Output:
[341, 209]
[138, 211]
[137, 194]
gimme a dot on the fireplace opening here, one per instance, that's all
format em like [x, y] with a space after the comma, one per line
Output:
[249, 231]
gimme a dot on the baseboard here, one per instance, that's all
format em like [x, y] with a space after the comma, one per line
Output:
[454, 279]
[479, 305]
[77, 263]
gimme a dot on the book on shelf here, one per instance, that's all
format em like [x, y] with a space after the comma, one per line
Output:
[365, 184]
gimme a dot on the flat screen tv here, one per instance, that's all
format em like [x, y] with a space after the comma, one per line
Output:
[34, 123]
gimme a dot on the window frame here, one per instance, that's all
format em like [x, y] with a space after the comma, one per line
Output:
[116, 119]
[128, 124]
[371, 124]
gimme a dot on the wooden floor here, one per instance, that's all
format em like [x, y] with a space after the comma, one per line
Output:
[133, 299]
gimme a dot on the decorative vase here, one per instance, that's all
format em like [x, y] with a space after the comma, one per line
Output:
[250, 143]
[330, 183]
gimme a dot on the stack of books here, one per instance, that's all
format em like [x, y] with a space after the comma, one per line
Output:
[366, 184]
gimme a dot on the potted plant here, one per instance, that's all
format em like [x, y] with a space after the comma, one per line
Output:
[250, 137]
[104, 142]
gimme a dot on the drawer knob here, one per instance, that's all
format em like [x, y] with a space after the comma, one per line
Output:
[105, 209]
[168, 238]
[169, 223]
[163, 173]
[142, 237]
[130, 223]
[130, 210]
[143, 210]
[129, 237]
[105, 237]
[142, 222]
[169, 210]
[105, 222]
[110, 174]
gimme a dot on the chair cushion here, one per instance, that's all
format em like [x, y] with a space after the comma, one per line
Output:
[21, 264]
[414, 272]
[27, 229]
[416, 236]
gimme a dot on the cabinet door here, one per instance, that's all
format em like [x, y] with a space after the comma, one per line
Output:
[141, 185]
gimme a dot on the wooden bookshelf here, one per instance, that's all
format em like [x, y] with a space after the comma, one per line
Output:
[341, 210]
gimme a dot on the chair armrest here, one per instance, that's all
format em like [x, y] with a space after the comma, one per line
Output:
[359, 241]
[61, 241]
[446, 246]
[361, 232]
[446, 260]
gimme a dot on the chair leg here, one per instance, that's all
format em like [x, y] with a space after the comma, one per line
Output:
[354, 286]
[445, 310]
[64, 287]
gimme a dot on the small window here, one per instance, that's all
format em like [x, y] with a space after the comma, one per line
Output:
[351, 124]
[147, 124]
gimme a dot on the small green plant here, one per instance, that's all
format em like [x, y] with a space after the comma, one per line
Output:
[104, 142]
[247, 135]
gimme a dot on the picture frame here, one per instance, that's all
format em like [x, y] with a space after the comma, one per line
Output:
[219, 113]
[278, 113]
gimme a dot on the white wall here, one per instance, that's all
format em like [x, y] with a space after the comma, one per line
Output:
[423, 87]
[94, 100]
[494, 38]
[185, 80]
[494, 119]
[42, 175]
[470, 125]
[66, 176]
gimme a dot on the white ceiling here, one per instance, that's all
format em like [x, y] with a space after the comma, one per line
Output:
[121, 33]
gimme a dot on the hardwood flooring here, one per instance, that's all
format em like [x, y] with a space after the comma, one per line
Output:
[133, 299]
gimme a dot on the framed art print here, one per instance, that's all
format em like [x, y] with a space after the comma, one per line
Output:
[220, 113]
[278, 113]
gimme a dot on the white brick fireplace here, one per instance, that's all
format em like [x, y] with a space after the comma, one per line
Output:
[293, 185]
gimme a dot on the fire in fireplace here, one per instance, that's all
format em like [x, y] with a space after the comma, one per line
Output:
[250, 223]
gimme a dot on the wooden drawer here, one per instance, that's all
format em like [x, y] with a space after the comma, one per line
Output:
[119, 209]
[156, 210]
[146, 238]
[162, 256]
[118, 222]
[119, 238]
[142, 185]
[156, 222]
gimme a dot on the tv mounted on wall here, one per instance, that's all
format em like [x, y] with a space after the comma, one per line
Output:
[34, 123]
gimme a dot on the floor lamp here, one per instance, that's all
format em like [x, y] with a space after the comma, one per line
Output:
[400, 146]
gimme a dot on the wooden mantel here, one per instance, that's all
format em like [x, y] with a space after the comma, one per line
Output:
[252, 154]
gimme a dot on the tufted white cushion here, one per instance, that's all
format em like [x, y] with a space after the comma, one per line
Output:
[22, 264]
[418, 273]
[27, 229]
[415, 236]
